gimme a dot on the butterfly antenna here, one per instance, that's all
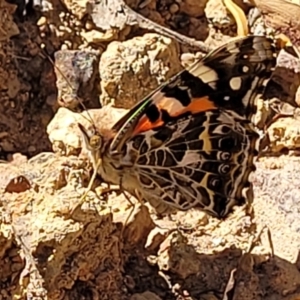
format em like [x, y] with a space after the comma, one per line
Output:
[90, 119]
[95, 162]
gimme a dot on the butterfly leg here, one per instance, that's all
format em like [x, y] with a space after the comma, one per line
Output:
[82, 199]
[258, 238]
[130, 213]
[131, 204]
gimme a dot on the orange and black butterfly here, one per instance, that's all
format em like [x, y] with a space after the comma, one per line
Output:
[191, 143]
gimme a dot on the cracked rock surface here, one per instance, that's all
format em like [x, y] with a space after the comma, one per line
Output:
[109, 248]
[130, 70]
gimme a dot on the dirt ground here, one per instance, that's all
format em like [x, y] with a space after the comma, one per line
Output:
[110, 249]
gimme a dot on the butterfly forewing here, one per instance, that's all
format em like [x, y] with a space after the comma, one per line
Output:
[229, 77]
[191, 142]
[236, 74]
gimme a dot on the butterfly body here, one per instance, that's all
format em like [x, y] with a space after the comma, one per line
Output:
[191, 143]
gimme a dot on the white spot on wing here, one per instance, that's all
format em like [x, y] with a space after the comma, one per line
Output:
[245, 69]
[158, 95]
[235, 83]
[205, 73]
[170, 104]
[250, 91]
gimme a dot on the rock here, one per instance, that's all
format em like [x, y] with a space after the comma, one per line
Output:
[12, 179]
[22, 90]
[282, 16]
[198, 28]
[77, 8]
[101, 13]
[155, 238]
[8, 27]
[138, 225]
[103, 251]
[46, 254]
[130, 70]
[145, 296]
[187, 59]
[284, 135]
[175, 255]
[17, 159]
[215, 11]
[96, 36]
[17, 185]
[70, 254]
[193, 8]
[65, 138]
[77, 77]
[63, 130]
[154, 16]
[285, 79]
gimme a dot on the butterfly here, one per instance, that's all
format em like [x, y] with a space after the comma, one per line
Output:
[191, 143]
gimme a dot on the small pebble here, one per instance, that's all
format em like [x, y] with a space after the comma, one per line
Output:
[168, 16]
[144, 3]
[174, 8]
[31, 149]
[89, 25]
[42, 21]
[68, 43]
[78, 23]
[218, 241]
[64, 47]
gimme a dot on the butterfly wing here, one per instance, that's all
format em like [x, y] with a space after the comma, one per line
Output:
[200, 160]
[191, 142]
[229, 77]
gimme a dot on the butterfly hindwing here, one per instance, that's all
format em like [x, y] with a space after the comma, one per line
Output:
[201, 160]
[229, 77]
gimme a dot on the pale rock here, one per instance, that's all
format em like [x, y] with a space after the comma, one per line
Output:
[63, 129]
[284, 134]
[130, 70]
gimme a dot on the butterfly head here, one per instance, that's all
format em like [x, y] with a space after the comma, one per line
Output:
[92, 141]
[96, 142]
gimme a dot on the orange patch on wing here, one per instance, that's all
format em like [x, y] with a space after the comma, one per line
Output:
[145, 125]
[175, 109]
[198, 105]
